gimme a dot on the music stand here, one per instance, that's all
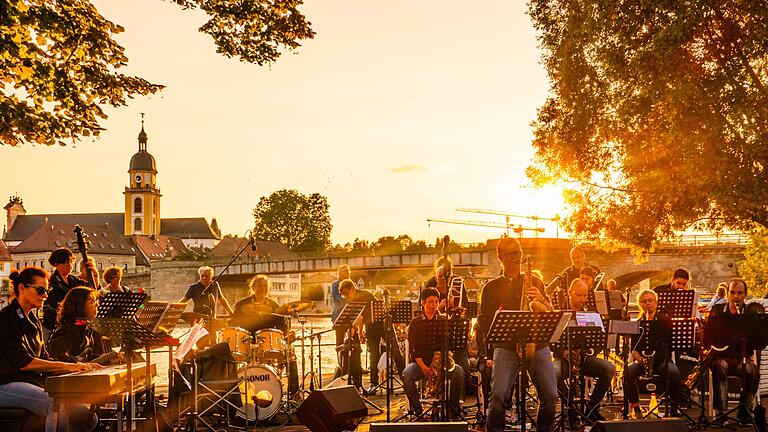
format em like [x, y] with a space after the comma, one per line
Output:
[679, 303]
[402, 311]
[120, 304]
[582, 339]
[471, 309]
[522, 328]
[345, 320]
[160, 316]
[441, 335]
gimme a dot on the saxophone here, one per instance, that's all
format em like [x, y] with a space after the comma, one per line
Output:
[526, 304]
[432, 386]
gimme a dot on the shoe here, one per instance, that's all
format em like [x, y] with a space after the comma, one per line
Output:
[370, 392]
[720, 420]
[744, 417]
[593, 413]
[637, 413]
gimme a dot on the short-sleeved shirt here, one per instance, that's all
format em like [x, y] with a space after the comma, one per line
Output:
[204, 300]
[21, 341]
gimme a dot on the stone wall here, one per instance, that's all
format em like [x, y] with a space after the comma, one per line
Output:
[170, 279]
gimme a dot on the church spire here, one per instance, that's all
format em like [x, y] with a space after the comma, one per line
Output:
[142, 136]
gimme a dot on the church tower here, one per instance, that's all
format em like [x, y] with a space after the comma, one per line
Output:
[142, 197]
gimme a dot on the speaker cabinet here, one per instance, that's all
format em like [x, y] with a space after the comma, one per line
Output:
[332, 410]
[420, 427]
[656, 425]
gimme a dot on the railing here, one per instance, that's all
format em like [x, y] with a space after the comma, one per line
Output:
[708, 240]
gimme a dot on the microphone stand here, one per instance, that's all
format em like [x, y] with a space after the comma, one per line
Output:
[224, 270]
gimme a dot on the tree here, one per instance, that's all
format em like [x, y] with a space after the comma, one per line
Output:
[59, 61]
[657, 115]
[754, 267]
[300, 222]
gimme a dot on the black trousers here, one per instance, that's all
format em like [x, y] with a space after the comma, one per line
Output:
[747, 371]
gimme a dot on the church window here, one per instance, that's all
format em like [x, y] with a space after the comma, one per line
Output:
[137, 225]
[137, 205]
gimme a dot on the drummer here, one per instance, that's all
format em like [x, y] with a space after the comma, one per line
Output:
[253, 312]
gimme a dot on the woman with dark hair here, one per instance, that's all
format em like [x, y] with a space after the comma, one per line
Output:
[62, 280]
[113, 276]
[73, 340]
[23, 357]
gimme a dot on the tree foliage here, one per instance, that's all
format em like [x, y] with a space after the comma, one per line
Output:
[59, 62]
[754, 267]
[657, 115]
[300, 222]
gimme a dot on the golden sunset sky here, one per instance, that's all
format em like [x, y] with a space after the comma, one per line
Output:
[397, 111]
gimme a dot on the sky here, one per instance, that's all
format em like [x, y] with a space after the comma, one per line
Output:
[397, 111]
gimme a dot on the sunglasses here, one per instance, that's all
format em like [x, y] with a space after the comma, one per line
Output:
[41, 290]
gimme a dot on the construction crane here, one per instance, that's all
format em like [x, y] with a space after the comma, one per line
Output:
[508, 215]
[519, 229]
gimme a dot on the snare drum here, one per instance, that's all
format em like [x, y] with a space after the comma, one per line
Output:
[239, 341]
[263, 386]
[269, 345]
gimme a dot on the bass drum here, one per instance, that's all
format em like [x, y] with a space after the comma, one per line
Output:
[263, 384]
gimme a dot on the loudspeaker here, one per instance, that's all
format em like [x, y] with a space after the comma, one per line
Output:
[656, 425]
[332, 410]
[420, 427]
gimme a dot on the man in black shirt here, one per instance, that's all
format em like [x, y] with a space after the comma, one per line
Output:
[735, 360]
[679, 281]
[242, 317]
[356, 334]
[505, 292]
[62, 281]
[204, 294]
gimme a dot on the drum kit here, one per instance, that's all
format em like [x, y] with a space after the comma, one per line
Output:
[265, 356]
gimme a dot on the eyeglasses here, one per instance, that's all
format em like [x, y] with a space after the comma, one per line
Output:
[41, 290]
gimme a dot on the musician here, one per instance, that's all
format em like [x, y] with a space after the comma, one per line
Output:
[600, 369]
[357, 333]
[259, 286]
[720, 295]
[735, 360]
[113, 276]
[679, 281]
[422, 359]
[62, 280]
[203, 294]
[647, 300]
[23, 357]
[338, 303]
[504, 292]
[73, 340]
[578, 262]
[588, 275]
[445, 281]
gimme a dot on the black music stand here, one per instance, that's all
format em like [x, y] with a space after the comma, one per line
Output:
[345, 320]
[471, 309]
[744, 332]
[522, 328]
[441, 335]
[678, 304]
[584, 339]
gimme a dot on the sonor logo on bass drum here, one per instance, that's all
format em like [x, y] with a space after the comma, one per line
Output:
[260, 378]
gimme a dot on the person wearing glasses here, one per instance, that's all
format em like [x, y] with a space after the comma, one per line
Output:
[62, 280]
[648, 301]
[73, 340]
[505, 292]
[24, 360]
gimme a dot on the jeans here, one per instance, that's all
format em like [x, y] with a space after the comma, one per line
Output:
[635, 370]
[35, 400]
[747, 371]
[411, 376]
[504, 378]
[600, 369]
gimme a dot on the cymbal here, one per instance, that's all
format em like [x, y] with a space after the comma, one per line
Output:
[256, 309]
[293, 307]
